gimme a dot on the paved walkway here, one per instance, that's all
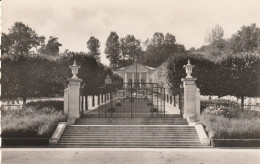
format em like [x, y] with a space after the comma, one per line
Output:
[129, 156]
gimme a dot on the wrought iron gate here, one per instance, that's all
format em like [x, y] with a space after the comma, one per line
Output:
[131, 100]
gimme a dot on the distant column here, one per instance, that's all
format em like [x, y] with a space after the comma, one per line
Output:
[140, 77]
[125, 79]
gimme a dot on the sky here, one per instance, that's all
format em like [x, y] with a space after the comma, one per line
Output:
[73, 22]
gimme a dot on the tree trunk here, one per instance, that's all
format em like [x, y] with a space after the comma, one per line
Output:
[174, 100]
[24, 101]
[242, 102]
[86, 102]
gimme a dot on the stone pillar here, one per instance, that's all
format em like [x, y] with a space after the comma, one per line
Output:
[66, 101]
[189, 98]
[74, 98]
[197, 103]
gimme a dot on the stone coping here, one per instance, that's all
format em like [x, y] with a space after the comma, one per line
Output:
[57, 133]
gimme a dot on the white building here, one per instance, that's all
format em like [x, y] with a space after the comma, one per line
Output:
[136, 73]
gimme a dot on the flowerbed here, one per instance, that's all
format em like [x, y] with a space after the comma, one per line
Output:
[217, 103]
[227, 124]
[30, 122]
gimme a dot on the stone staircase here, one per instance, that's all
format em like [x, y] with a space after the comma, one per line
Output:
[136, 132]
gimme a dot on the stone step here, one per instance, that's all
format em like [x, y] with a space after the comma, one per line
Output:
[128, 115]
[129, 137]
[127, 146]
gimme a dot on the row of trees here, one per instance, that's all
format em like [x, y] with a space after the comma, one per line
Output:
[28, 68]
[28, 76]
[236, 75]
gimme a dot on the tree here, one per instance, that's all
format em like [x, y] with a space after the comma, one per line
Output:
[93, 45]
[215, 34]
[51, 48]
[28, 76]
[158, 39]
[169, 39]
[113, 49]
[240, 75]
[21, 39]
[245, 40]
[130, 47]
[6, 44]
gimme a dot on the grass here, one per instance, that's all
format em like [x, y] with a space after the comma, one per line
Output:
[30, 122]
[231, 123]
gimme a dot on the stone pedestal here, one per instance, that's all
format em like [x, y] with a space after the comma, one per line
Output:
[74, 99]
[190, 99]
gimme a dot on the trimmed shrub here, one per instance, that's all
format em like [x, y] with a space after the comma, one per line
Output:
[118, 104]
[58, 105]
[153, 110]
[111, 110]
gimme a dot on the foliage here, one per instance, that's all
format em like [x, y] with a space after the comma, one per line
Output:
[246, 39]
[91, 72]
[93, 45]
[58, 105]
[160, 48]
[235, 75]
[111, 110]
[130, 47]
[217, 103]
[204, 72]
[51, 48]
[215, 34]
[27, 76]
[238, 75]
[20, 39]
[153, 109]
[113, 49]
[30, 122]
[118, 104]
[35, 76]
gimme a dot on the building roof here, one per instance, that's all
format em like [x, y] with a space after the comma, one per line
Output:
[132, 67]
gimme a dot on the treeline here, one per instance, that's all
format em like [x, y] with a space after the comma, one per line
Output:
[123, 51]
[237, 75]
[246, 39]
